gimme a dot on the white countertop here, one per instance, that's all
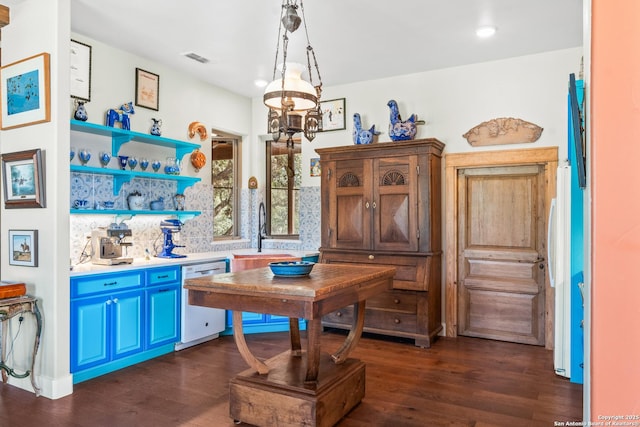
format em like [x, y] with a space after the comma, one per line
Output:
[196, 258]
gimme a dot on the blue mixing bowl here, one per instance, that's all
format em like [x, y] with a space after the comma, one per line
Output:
[291, 268]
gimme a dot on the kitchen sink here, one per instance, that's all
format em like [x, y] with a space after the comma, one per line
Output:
[241, 262]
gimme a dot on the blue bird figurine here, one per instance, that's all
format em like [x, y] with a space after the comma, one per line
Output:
[400, 130]
[360, 135]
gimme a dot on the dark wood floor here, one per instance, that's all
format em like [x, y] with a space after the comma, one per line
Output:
[457, 382]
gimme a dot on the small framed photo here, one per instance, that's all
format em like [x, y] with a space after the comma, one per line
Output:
[25, 89]
[333, 114]
[80, 70]
[23, 247]
[147, 89]
[23, 182]
[315, 167]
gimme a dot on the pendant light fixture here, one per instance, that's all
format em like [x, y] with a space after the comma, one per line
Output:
[294, 103]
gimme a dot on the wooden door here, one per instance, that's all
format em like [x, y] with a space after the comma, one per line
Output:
[395, 204]
[350, 216]
[501, 241]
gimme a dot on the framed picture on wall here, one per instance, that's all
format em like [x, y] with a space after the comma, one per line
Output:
[315, 167]
[333, 114]
[80, 70]
[147, 89]
[25, 89]
[23, 247]
[23, 182]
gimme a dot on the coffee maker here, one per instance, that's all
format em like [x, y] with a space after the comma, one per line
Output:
[107, 244]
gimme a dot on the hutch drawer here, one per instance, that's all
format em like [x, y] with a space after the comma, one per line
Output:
[412, 272]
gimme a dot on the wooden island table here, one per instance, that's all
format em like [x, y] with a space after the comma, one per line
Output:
[300, 387]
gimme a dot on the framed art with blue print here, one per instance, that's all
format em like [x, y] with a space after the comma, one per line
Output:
[25, 89]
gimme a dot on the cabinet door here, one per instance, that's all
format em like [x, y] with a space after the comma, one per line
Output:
[163, 319]
[350, 204]
[251, 318]
[90, 331]
[272, 318]
[395, 204]
[127, 313]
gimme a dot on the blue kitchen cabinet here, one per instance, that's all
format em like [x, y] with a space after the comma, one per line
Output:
[105, 328]
[90, 329]
[162, 306]
[120, 319]
[128, 312]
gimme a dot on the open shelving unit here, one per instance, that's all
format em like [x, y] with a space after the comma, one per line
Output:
[120, 137]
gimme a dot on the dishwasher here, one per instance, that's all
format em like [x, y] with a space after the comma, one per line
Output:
[199, 324]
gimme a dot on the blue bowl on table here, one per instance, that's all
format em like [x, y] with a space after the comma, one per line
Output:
[291, 268]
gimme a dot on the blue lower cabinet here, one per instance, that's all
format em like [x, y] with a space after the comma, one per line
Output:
[253, 323]
[105, 328]
[90, 332]
[163, 316]
[128, 314]
[120, 319]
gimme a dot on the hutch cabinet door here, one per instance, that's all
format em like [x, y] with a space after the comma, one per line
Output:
[350, 204]
[395, 204]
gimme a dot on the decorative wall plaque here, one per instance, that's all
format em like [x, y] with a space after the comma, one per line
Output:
[505, 130]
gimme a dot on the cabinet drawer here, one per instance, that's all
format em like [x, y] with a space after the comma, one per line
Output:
[412, 272]
[89, 285]
[158, 276]
[394, 300]
[375, 320]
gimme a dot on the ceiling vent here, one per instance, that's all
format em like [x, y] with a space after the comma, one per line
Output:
[196, 57]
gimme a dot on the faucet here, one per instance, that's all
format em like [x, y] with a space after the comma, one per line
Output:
[262, 225]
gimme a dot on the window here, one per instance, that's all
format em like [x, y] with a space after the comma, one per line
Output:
[284, 166]
[225, 165]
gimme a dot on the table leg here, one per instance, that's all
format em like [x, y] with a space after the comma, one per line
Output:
[352, 339]
[314, 329]
[4, 350]
[36, 345]
[294, 336]
[241, 343]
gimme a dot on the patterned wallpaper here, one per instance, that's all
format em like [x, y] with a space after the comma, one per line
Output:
[197, 233]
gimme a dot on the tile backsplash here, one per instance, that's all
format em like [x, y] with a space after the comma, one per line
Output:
[197, 233]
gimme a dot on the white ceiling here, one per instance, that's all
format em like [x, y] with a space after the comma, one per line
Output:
[354, 40]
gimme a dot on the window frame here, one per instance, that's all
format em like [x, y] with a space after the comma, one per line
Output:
[216, 138]
[290, 191]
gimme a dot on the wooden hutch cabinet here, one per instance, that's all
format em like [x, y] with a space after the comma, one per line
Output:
[381, 205]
